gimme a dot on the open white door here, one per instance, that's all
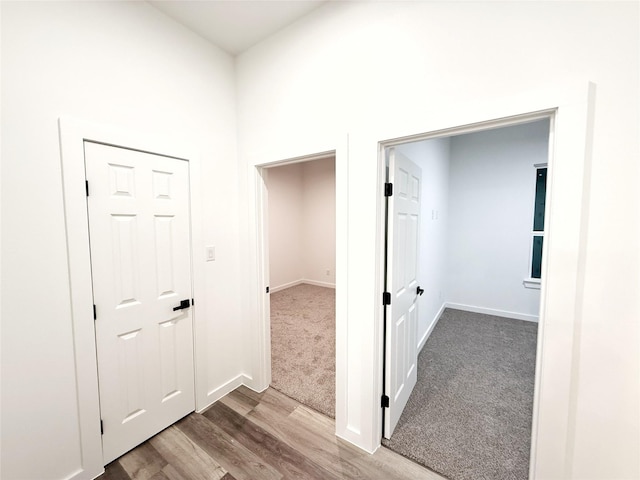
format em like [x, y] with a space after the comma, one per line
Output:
[139, 230]
[403, 230]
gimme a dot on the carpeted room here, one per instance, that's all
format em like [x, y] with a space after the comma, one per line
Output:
[301, 232]
[469, 416]
[470, 413]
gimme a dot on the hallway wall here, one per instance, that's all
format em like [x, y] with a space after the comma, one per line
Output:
[128, 66]
[353, 67]
[326, 82]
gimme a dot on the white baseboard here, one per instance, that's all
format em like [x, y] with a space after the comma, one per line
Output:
[492, 311]
[284, 286]
[256, 389]
[227, 387]
[300, 282]
[319, 284]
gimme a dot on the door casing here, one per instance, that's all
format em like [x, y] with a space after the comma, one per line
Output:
[474, 128]
[358, 346]
[262, 233]
[73, 134]
[359, 247]
[571, 126]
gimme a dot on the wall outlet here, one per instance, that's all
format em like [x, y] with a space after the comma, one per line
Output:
[328, 272]
[210, 253]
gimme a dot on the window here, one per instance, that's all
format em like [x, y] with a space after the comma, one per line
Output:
[538, 226]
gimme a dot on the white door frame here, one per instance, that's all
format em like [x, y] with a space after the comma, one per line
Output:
[571, 113]
[358, 258]
[73, 134]
[262, 236]
[474, 128]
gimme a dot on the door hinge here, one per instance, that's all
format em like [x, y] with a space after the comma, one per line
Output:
[101, 427]
[267, 289]
[86, 186]
[386, 298]
[388, 189]
[384, 402]
[95, 313]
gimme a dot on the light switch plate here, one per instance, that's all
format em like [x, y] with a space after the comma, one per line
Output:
[210, 253]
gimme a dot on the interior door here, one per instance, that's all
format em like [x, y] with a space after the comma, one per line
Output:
[403, 230]
[139, 230]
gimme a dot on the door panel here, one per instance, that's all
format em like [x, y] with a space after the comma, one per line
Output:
[139, 230]
[402, 281]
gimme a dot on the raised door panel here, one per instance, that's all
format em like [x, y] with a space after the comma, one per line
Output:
[141, 264]
[402, 281]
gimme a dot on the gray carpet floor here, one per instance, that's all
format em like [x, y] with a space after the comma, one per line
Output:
[303, 345]
[469, 416]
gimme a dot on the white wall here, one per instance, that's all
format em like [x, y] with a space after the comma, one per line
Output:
[349, 67]
[127, 65]
[319, 221]
[433, 157]
[302, 243]
[285, 233]
[491, 195]
[477, 206]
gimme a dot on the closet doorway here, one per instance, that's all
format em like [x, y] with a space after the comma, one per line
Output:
[300, 221]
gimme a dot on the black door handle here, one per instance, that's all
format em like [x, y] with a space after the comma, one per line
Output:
[183, 304]
[420, 291]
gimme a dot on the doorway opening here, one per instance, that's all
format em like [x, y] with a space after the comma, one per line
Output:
[480, 265]
[300, 239]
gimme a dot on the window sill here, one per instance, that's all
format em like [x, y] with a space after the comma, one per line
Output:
[531, 283]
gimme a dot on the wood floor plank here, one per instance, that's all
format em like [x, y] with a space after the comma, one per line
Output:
[188, 459]
[270, 397]
[258, 436]
[313, 443]
[232, 456]
[169, 472]
[143, 462]
[284, 457]
[383, 464]
[239, 402]
[248, 394]
[317, 441]
[114, 471]
[398, 466]
[161, 475]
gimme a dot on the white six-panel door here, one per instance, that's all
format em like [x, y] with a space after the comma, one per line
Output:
[402, 283]
[139, 230]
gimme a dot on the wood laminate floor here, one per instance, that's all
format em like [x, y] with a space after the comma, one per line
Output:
[254, 436]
